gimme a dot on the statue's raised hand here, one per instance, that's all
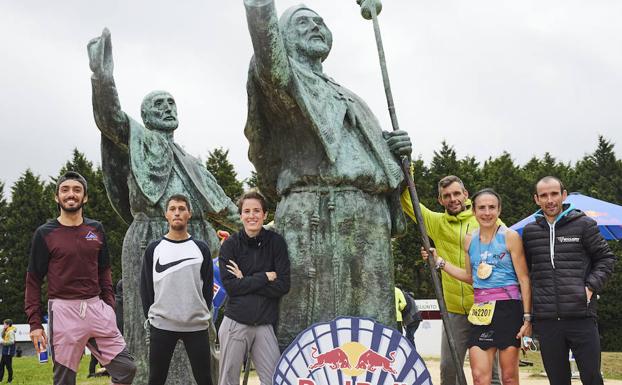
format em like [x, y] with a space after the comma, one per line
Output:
[100, 55]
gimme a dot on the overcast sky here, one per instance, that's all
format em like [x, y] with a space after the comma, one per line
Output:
[485, 75]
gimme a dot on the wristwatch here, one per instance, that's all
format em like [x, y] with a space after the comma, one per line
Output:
[527, 317]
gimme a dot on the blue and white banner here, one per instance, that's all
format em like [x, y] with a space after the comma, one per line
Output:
[351, 351]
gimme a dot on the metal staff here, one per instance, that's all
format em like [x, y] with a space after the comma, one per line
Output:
[370, 10]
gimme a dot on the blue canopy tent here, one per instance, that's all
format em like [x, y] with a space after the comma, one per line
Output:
[607, 215]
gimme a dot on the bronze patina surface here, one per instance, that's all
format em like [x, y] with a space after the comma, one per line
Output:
[142, 167]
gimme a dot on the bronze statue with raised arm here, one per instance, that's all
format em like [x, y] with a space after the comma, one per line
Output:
[321, 153]
[142, 168]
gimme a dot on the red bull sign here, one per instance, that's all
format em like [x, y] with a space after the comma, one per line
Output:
[351, 351]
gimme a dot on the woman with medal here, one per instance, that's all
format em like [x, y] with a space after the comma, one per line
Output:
[496, 267]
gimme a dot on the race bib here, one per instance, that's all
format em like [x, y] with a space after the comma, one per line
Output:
[481, 313]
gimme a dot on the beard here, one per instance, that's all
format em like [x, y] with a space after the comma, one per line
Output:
[314, 49]
[71, 209]
[155, 123]
[167, 126]
[458, 211]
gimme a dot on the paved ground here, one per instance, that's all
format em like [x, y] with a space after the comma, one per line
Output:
[433, 365]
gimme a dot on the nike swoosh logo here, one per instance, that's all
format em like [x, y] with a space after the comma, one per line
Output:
[162, 268]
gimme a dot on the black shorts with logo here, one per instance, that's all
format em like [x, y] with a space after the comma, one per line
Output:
[501, 333]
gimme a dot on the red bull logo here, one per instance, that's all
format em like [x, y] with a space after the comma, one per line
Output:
[371, 361]
[351, 351]
[335, 359]
[340, 358]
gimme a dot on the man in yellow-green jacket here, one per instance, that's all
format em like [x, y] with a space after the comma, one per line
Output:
[447, 230]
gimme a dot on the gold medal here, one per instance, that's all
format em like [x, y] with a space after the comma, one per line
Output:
[484, 270]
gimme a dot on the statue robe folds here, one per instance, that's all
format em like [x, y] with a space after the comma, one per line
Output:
[319, 150]
[139, 178]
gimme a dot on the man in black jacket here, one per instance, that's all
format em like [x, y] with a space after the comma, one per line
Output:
[569, 263]
[254, 268]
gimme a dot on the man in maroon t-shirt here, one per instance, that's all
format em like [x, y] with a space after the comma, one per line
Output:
[72, 251]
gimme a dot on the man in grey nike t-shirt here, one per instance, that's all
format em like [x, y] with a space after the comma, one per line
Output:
[176, 292]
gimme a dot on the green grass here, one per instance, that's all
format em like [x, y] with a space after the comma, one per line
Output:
[28, 371]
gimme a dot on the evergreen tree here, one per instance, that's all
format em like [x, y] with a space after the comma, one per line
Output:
[29, 208]
[3, 213]
[470, 173]
[599, 174]
[506, 178]
[253, 180]
[219, 165]
[3, 205]
[536, 169]
[3, 258]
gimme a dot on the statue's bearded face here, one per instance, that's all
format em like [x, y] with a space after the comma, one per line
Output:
[311, 37]
[159, 112]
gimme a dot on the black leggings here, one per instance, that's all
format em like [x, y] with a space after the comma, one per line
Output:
[162, 345]
[6, 362]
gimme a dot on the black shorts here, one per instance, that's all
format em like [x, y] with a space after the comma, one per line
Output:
[501, 333]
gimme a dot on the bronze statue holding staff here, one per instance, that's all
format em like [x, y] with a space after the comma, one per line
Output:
[320, 151]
